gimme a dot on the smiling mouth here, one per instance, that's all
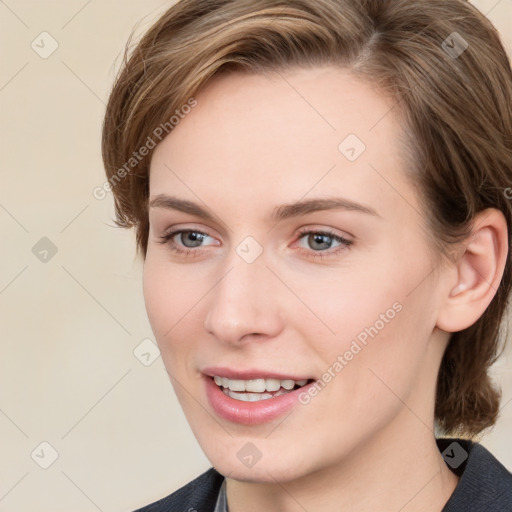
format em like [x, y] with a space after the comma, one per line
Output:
[255, 390]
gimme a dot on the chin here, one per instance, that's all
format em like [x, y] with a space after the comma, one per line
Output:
[260, 473]
[271, 469]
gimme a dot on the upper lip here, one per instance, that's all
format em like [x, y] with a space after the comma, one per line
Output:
[249, 374]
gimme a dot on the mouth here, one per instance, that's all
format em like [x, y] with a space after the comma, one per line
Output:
[252, 396]
[258, 389]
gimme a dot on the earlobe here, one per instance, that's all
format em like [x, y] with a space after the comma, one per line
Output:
[478, 272]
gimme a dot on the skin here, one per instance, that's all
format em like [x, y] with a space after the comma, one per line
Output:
[255, 143]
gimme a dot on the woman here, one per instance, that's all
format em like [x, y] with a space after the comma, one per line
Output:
[319, 196]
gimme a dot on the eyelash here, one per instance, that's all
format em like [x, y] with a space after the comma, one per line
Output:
[344, 243]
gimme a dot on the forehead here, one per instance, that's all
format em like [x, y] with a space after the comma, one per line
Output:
[282, 134]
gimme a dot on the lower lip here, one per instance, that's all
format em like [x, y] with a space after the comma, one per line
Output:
[250, 413]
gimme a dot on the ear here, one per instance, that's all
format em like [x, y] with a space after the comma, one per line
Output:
[477, 272]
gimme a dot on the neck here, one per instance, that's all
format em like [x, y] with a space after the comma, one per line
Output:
[395, 471]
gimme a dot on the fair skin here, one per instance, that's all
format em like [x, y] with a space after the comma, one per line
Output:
[365, 442]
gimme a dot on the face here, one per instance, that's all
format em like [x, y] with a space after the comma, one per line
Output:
[288, 280]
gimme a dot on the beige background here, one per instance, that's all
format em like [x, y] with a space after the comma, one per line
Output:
[69, 326]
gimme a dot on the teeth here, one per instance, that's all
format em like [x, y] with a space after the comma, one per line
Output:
[287, 384]
[272, 384]
[256, 386]
[249, 397]
[236, 385]
[252, 397]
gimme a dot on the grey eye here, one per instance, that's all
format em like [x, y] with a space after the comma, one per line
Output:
[319, 241]
[191, 239]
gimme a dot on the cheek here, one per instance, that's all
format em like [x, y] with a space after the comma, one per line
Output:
[159, 302]
[173, 306]
[365, 329]
[338, 309]
[169, 295]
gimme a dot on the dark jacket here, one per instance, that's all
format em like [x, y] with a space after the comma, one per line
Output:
[485, 485]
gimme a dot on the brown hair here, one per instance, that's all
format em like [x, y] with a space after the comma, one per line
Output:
[455, 101]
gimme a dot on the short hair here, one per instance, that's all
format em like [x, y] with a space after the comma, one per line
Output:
[442, 61]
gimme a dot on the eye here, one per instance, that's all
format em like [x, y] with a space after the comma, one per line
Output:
[322, 241]
[190, 239]
[185, 240]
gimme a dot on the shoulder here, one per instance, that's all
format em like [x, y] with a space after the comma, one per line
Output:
[198, 495]
[485, 485]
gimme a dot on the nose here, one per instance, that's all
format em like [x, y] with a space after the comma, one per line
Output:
[244, 305]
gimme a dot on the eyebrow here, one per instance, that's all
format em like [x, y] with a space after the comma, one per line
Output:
[280, 213]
